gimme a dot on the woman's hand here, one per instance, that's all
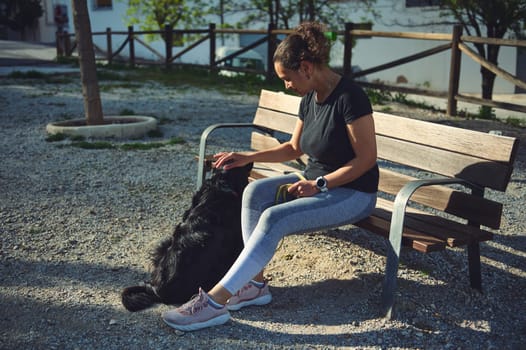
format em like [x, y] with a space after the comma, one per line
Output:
[228, 160]
[303, 188]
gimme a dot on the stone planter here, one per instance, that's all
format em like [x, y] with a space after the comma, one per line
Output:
[123, 127]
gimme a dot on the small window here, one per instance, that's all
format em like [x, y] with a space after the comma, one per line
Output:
[422, 3]
[103, 4]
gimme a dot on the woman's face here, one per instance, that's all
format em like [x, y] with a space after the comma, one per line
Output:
[295, 80]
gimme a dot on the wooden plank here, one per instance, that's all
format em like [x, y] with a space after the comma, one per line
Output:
[453, 232]
[277, 168]
[402, 35]
[410, 238]
[262, 142]
[405, 60]
[477, 209]
[275, 120]
[491, 103]
[475, 143]
[493, 41]
[491, 67]
[279, 101]
[263, 170]
[439, 161]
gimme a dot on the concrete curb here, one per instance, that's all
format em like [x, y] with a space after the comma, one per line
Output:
[122, 127]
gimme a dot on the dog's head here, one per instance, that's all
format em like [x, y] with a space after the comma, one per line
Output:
[234, 179]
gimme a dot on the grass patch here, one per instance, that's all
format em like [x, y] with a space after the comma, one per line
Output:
[141, 146]
[104, 74]
[40, 77]
[197, 77]
[80, 142]
[176, 141]
[30, 74]
[77, 138]
[93, 145]
[56, 137]
[378, 96]
[74, 61]
[517, 122]
[486, 112]
[126, 111]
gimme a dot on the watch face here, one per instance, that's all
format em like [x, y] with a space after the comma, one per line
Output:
[320, 182]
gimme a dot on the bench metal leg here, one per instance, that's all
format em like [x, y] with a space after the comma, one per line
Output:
[395, 242]
[475, 277]
[391, 275]
[393, 257]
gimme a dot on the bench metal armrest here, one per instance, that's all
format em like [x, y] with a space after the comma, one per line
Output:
[405, 193]
[204, 138]
[396, 229]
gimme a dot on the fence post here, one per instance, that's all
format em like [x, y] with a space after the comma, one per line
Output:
[169, 39]
[271, 48]
[454, 71]
[347, 50]
[109, 49]
[59, 43]
[131, 44]
[212, 35]
[67, 44]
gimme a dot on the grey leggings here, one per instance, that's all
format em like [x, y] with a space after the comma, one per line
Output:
[264, 223]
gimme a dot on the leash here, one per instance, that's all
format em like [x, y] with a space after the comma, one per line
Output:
[282, 193]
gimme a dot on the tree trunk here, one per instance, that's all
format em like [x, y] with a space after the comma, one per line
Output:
[488, 81]
[88, 69]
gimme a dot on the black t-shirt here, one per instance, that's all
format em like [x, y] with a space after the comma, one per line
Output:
[324, 137]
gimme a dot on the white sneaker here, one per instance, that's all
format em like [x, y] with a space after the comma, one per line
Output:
[249, 295]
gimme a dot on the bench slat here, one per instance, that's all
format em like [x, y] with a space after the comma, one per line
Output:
[262, 142]
[275, 120]
[481, 172]
[477, 144]
[410, 238]
[477, 209]
[261, 170]
[454, 233]
[279, 101]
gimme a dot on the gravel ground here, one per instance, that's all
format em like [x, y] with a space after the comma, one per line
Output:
[77, 226]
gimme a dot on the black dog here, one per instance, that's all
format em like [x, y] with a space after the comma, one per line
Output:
[202, 248]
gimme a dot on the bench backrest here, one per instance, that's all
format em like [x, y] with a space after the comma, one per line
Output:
[483, 159]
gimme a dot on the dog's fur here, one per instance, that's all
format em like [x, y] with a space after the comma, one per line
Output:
[202, 248]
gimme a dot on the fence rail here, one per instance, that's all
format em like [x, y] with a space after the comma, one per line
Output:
[455, 42]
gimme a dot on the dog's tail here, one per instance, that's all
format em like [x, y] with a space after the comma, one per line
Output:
[138, 298]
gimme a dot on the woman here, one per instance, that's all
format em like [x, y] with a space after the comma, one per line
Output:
[336, 130]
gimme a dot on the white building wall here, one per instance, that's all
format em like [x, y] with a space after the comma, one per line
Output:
[431, 72]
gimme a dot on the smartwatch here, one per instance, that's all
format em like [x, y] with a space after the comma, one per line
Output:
[321, 183]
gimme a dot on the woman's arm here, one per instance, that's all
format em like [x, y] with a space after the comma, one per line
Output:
[362, 136]
[286, 151]
[363, 139]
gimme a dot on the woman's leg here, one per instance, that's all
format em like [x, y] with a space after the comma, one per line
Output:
[258, 196]
[337, 207]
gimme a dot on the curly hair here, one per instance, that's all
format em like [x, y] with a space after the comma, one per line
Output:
[307, 43]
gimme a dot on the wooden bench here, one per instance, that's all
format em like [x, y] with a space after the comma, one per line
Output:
[442, 206]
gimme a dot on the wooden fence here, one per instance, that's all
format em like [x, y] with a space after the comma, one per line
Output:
[456, 42]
